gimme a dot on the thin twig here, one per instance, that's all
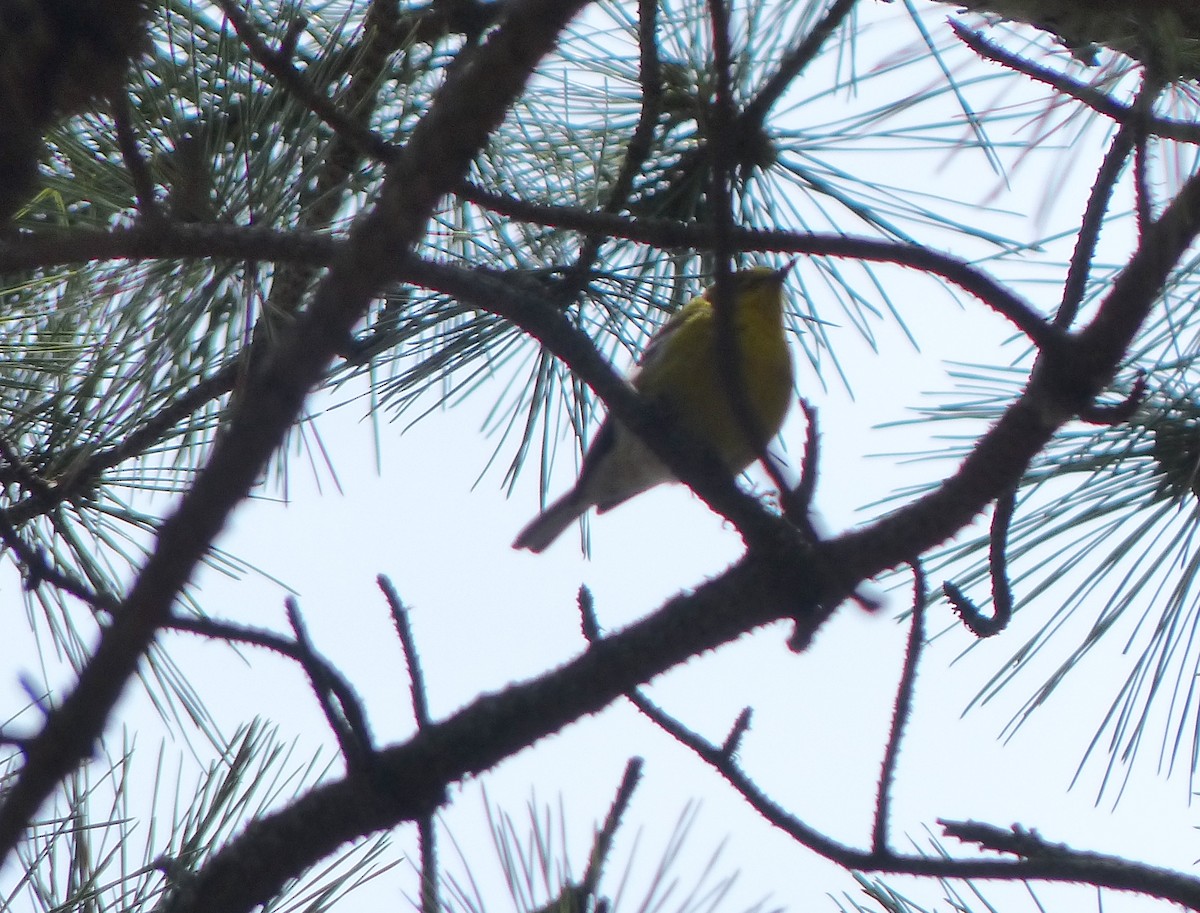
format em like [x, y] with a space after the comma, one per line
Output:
[1115, 413]
[1002, 602]
[641, 143]
[901, 712]
[797, 502]
[86, 474]
[732, 359]
[737, 732]
[1089, 229]
[1065, 866]
[669, 234]
[675, 729]
[725, 765]
[1181, 131]
[314, 249]
[139, 171]
[24, 475]
[602, 845]
[346, 720]
[793, 63]
[426, 823]
[1143, 207]
[587, 615]
[1131, 136]
[1002, 598]
[1143, 110]
[39, 570]
[1095, 869]
[230, 633]
[420, 702]
[430, 875]
[279, 64]
[637, 150]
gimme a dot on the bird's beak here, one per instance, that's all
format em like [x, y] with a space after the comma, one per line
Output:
[783, 271]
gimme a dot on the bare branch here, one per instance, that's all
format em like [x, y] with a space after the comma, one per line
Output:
[462, 116]
[587, 615]
[1089, 229]
[901, 711]
[1002, 603]
[602, 845]
[345, 716]
[793, 64]
[675, 235]
[1181, 131]
[318, 670]
[38, 570]
[420, 702]
[139, 171]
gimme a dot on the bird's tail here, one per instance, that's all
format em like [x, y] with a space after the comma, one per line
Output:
[550, 523]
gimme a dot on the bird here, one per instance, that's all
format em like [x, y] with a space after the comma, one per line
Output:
[679, 371]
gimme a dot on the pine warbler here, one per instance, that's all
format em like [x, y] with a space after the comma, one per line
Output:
[680, 371]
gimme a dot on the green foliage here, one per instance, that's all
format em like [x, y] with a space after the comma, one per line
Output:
[109, 845]
[535, 863]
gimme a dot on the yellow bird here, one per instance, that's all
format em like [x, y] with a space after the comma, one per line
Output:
[680, 371]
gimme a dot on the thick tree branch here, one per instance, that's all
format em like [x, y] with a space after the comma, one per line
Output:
[239, 243]
[776, 580]
[409, 780]
[1064, 383]
[670, 234]
[462, 115]
[767, 585]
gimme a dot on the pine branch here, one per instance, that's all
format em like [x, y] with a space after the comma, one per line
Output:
[462, 116]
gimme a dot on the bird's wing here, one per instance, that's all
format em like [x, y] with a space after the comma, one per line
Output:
[661, 340]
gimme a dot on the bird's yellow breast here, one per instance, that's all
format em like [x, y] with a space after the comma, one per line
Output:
[688, 379]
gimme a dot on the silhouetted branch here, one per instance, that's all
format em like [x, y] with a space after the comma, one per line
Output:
[279, 64]
[1143, 110]
[37, 570]
[440, 148]
[430, 876]
[797, 502]
[637, 150]
[420, 702]
[1002, 605]
[602, 844]
[1062, 384]
[1098, 869]
[737, 731]
[1115, 413]
[716, 755]
[342, 709]
[287, 647]
[731, 367]
[793, 64]
[1093, 219]
[901, 711]
[251, 242]
[587, 615]
[670, 234]
[135, 163]
[1181, 131]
